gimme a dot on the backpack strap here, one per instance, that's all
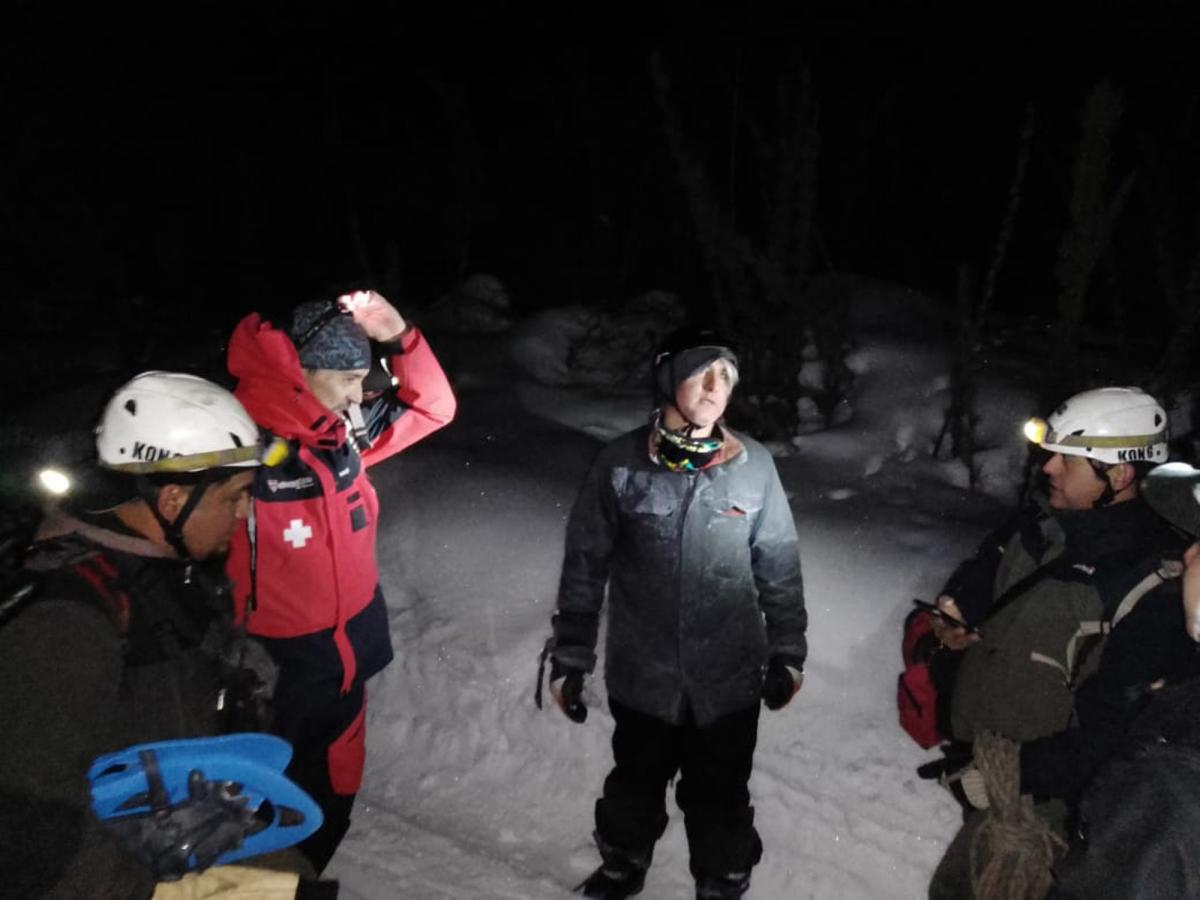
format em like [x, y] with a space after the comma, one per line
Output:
[1170, 568]
[1019, 588]
[1166, 570]
[99, 573]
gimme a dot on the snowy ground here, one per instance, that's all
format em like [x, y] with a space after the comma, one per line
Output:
[471, 792]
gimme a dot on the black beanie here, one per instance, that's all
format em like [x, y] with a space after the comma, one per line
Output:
[684, 353]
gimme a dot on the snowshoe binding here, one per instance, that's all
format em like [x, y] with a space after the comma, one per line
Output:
[189, 804]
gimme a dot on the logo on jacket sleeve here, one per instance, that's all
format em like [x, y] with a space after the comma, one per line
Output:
[297, 533]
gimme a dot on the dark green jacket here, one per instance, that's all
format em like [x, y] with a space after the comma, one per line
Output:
[702, 572]
[1020, 679]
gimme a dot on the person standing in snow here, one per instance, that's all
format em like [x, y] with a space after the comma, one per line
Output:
[685, 525]
[124, 636]
[304, 571]
[1044, 592]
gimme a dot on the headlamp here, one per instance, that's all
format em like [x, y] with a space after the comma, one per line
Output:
[275, 452]
[1036, 430]
[54, 482]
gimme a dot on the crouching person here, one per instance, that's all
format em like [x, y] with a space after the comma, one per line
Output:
[125, 636]
[687, 527]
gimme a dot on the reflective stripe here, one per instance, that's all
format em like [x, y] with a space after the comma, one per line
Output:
[1050, 661]
[193, 462]
[1107, 442]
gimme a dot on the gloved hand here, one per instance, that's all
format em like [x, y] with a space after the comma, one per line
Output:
[956, 772]
[566, 687]
[214, 818]
[248, 677]
[781, 683]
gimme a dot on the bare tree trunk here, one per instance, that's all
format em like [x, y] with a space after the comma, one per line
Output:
[760, 279]
[1092, 214]
[962, 416]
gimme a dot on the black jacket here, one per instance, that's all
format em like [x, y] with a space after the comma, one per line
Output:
[1148, 647]
[1139, 818]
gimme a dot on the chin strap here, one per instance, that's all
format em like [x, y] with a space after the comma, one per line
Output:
[173, 530]
[1100, 470]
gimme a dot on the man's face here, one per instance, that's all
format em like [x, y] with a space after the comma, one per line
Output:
[702, 398]
[209, 528]
[336, 388]
[1074, 484]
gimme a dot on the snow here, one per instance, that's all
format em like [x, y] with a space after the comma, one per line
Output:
[472, 792]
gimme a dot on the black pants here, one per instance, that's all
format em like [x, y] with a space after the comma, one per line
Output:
[312, 730]
[714, 763]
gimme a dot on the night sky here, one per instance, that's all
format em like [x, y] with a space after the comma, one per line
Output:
[171, 166]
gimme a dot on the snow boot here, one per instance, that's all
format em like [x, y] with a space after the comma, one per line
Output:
[613, 883]
[730, 886]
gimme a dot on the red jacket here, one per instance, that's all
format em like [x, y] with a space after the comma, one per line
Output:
[307, 556]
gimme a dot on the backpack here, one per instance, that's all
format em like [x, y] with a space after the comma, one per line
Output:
[17, 584]
[24, 566]
[923, 688]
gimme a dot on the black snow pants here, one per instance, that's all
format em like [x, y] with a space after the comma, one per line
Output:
[714, 764]
[316, 732]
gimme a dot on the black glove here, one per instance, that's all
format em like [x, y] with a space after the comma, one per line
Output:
[214, 818]
[569, 694]
[248, 677]
[957, 773]
[957, 755]
[778, 685]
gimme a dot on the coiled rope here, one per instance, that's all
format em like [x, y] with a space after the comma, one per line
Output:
[1013, 850]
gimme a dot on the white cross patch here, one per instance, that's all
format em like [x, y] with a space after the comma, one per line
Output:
[297, 533]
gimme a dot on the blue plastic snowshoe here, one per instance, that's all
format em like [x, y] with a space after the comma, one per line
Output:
[189, 804]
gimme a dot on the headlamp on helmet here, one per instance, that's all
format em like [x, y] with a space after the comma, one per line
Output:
[1110, 425]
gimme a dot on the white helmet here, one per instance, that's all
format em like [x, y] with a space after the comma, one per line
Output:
[170, 422]
[1111, 425]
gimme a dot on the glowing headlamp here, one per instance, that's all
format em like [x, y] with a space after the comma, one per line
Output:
[54, 482]
[1036, 430]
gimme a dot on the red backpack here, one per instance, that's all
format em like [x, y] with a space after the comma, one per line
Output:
[916, 692]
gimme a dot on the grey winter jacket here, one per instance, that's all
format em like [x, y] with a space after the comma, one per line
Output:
[703, 578]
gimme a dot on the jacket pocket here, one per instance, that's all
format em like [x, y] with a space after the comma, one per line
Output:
[347, 756]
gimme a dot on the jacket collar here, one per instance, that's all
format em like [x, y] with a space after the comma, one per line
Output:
[1112, 527]
[271, 386]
